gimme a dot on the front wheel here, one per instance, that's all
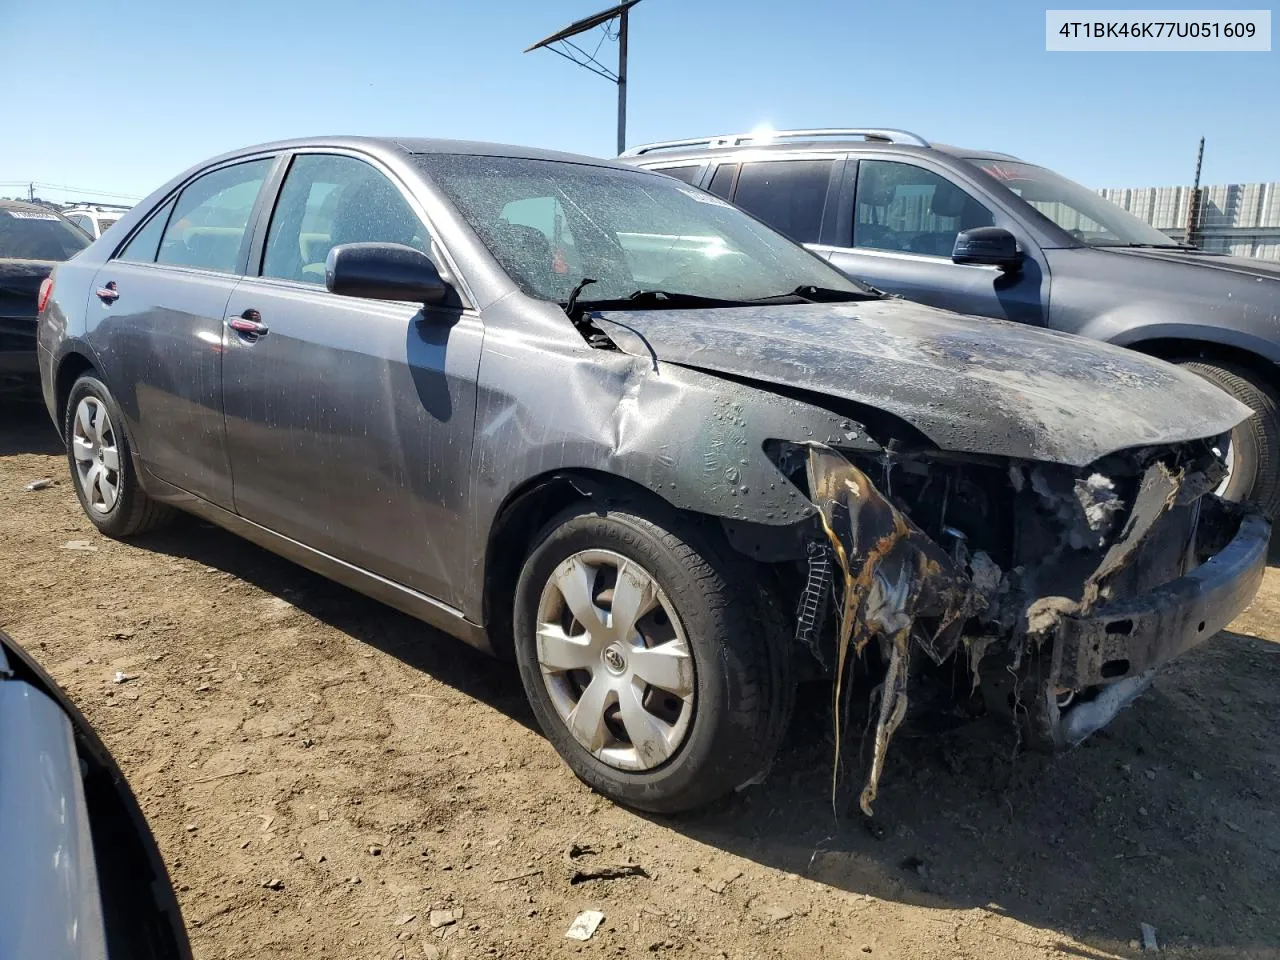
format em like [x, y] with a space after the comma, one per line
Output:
[1253, 452]
[654, 670]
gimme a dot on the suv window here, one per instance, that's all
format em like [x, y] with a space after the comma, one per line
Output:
[722, 180]
[142, 248]
[208, 225]
[328, 200]
[789, 195]
[1076, 209]
[688, 172]
[900, 206]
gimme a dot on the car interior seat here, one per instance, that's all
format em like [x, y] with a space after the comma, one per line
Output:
[528, 256]
[371, 211]
[877, 189]
[952, 203]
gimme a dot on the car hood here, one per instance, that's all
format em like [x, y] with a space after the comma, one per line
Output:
[969, 384]
[1262, 270]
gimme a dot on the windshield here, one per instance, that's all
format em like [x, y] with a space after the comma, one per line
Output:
[36, 235]
[1078, 210]
[550, 224]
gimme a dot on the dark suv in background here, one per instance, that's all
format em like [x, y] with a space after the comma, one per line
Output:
[987, 234]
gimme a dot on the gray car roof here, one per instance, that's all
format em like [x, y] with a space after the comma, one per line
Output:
[424, 145]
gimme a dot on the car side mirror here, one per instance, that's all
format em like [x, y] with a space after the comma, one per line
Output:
[990, 246]
[384, 271]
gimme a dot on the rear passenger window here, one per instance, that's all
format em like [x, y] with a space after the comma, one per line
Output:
[328, 200]
[789, 195]
[142, 248]
[211, 218]
[722, 181]
[688, 172]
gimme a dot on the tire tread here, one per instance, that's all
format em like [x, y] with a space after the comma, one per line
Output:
[1263, 426]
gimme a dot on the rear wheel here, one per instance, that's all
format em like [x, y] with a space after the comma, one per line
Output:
[658, 676]
[101, 463]
[1253, 451]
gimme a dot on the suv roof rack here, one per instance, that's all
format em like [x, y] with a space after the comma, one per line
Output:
[882, 134]
[96, 207]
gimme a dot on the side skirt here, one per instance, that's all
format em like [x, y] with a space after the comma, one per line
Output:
[418, 605]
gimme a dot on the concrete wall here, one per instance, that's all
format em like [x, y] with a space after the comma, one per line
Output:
[1237, 218]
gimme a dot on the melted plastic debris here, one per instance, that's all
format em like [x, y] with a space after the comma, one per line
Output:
[906, 591]
[986, 575]
[1100, 502]
[1157, 494]
[1085, 509]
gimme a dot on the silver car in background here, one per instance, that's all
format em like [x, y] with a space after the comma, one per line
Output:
[80, 875]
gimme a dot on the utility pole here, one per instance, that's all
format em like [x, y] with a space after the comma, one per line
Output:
[561, 43]
[622, 80]
[31, 192]
[1193, 202]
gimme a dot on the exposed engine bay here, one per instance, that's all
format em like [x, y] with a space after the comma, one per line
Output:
[1058, 590]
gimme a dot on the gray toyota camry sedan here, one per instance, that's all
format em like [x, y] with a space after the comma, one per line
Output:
[598, 420]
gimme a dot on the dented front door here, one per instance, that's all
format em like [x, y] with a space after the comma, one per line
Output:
[349, 426]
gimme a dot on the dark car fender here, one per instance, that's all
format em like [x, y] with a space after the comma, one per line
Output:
[1162, 300]
[695, 440]
[1137, 331]
[60, 333]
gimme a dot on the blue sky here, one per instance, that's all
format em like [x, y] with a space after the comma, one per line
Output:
[142, 88]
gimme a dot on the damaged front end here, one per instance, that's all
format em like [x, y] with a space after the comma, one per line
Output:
[1057, 591]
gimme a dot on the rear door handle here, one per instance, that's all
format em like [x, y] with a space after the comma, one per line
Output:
[249, 324]
[108, 293]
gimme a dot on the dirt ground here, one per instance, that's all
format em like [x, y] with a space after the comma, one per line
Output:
[329, 778]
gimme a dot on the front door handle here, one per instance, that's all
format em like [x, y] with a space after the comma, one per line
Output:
[108, 293]
[248, 324]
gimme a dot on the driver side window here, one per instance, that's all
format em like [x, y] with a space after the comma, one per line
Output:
[329, 200]
[902, 207]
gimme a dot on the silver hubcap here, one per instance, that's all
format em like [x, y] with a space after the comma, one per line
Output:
[93, 444]
[615, 661]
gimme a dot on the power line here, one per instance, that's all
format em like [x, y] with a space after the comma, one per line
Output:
[65, 188]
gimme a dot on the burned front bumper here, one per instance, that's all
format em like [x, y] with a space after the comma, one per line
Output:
[1109, 655]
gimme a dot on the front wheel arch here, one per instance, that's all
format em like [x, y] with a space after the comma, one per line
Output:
[1183, 349]
[522, 517]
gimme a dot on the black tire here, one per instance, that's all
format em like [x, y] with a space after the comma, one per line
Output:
[133, 511]
[742, 665]
[1255, 477]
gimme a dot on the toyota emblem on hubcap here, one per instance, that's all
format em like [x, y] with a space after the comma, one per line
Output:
[614, 660]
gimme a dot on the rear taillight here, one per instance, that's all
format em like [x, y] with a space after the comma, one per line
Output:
[46, 291]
